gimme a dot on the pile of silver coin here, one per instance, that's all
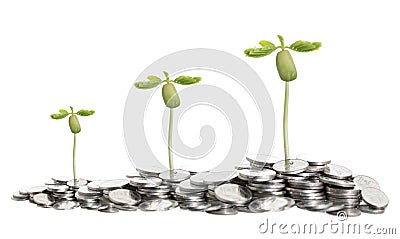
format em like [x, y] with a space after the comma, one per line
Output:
[259, 184]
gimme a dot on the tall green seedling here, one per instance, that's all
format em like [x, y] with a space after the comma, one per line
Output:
[287, 72]
[74, 126]
[171, 99]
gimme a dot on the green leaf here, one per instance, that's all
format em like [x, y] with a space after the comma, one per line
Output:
[265, 43]
[305, 46]
[281, 40]
[166, 74]
[260, 52]
[63, 113]
[85, 112]
[154, 78]
[187, 80]
[58, 116]
[146, 84]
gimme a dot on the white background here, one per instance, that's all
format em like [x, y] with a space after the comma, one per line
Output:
[344, 103]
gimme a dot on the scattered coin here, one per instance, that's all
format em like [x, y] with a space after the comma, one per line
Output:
[65, 205]
[347, 212]
[219, 177]
[224, 211]
[337, 171]
[362, 181]
[43, 199]
[314, 160]
[158, 205]
[124, 197]
[375, 197]
[271, 204]
[233, 193]
[370, 210]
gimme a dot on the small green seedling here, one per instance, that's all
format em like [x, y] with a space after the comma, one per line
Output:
[170, 97]
[74, 126]
[287, 72]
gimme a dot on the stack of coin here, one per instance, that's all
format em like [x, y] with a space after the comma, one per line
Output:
[261, 186]
[316, 163]
[374, 200]
[274, 187]
[88, 198]
[124, 199]
[190, 196]
[340, 186]
[306, 189]
[61, 192]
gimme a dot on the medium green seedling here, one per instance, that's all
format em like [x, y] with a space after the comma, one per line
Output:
[74, 126]
[287, 72]
[171, 99]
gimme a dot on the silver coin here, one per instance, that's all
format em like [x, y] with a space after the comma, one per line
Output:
[219, 177]
[335, 207]
[33, 190]
[58, 188]
[314, 160]
[43, 199]
[77, 183]
[65, 205]
[223, 211]
[261, 160]
[267, 185]
[17, 196]
[214, 206]
[125, 207]
[271, 204]
[362, 181]
[245, 209]
[61, 179]
[305, 183]
[95, 185]
[124, 196]
[290, 177]
[233, 193]
[150, 170]
[174, 176]
[195, 206]
[342, 191]
[180, 192]
[308, 174]
[315, 169]
[157, 205]
[303, 191]
[84, 190]
[294, 166]
[348, 212]
[189, 187]
[90, 205]
[323, 206]
[337, 171]
[245, 165]
[257, 175]
[113, 184]
[337, 182]
[370, 210]
[375, 197]
[147, 182]
[108, 209]
[155, 190]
